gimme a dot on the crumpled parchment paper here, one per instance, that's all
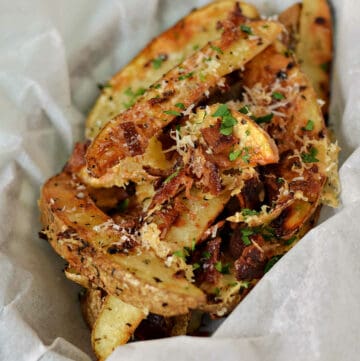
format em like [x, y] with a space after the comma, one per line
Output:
[52, 55]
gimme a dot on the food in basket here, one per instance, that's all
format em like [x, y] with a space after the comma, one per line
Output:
[206, 159]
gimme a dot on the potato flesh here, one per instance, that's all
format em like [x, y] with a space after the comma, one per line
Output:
[114, 326]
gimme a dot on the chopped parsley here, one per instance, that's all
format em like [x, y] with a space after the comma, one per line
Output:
[271, 262]
[246, 29]
[233, 284]
[216, 48]
[222, 268]
[202, 77]
[172, 112]
[171, 176]
[206, 255]
[245, 155]
[123, 205]
[227, 121]
[180, 253]
[234, 155]
[309, 125]
[244, 110]
[196, 47]
[277, 96]
[245, 284]
[290, 241]
[186, 76]
[180, 106]
[246, 212]
[264, 119]
[280, 180]
[311, 156]
[157, 62]
[157, 86]
[217, 291]
[133, 95]
[196, 266]
[245, 233]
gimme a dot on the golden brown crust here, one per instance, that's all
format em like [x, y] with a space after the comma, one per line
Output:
[71, 220]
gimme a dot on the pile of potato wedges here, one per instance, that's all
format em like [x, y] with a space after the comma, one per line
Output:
[204, 161]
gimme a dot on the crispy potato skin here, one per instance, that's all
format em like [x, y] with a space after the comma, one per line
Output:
[132, 277]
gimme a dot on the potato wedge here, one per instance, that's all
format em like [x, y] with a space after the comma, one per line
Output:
[128, 134]
[114, 326]
[314, 49]
[291, 19]
[165, 52]
[95, 247]
[91, 303]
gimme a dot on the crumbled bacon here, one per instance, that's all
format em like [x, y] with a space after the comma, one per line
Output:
[251, 264]
[167, 216]
[209, 273]
[172, 187]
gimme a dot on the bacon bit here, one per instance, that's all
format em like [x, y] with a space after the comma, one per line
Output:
[251, 264]
[171, 188]
[131, 137]
[169, 215]
[209, 272]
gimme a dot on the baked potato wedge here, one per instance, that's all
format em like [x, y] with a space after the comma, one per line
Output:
[314, 49]
[91, 302]
[114, 326]
[128, 134]
[107, 255]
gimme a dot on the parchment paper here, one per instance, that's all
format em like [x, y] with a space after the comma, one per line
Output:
[52, 55]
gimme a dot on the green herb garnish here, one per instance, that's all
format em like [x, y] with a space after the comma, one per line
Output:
[180, 106]
[246, 29]
[227, 121]
[244, 109]
[224, 269]
[234, 155]
[157, 62]
[133, 95]
[245, 233]
[311, 156]
[216, 48]
[123, 205]
[277, 96]
[309, 125]
[264, 119]
[171, 176]
[271, 262]
[246, 212]
[172, 112]
[206, 255]
[186, 76]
